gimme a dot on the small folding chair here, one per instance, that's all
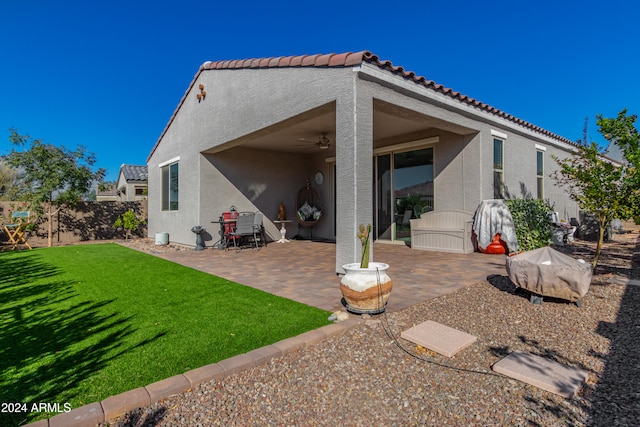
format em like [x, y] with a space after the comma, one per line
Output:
[17, 230]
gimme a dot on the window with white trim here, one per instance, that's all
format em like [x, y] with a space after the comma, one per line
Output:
[540, 173]
[498, 168]
[169, 175]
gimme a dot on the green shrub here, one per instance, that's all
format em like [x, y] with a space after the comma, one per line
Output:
[531, 219]
[130, 222]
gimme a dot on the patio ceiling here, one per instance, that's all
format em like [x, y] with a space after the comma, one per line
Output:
[300, 134]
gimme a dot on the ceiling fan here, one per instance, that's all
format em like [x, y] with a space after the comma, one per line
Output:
[322, 143]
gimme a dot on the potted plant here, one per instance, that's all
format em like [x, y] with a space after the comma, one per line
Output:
[366, 286]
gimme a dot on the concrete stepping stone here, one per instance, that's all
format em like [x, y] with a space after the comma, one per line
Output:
[543, 373]
[439, 338]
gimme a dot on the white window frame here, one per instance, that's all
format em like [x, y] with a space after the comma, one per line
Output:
[167, 202]
[540, 173]
[498, 193]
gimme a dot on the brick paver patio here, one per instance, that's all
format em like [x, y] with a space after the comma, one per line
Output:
[304, 271]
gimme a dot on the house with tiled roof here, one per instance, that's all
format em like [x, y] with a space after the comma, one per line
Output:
[132, 183]
[362, 131]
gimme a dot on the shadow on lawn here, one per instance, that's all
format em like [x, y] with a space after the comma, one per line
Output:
[49, 344]
[21, 268]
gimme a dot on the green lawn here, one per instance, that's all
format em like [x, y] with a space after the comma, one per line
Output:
[81, 323]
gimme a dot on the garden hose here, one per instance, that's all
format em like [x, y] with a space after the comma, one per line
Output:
[387, 329]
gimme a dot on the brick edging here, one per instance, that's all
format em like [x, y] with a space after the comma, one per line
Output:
[114, 406]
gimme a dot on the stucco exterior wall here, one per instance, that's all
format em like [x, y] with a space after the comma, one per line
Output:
[520, 171]
[463, 158]
[216, 169]
[238, 104]
[265, 179]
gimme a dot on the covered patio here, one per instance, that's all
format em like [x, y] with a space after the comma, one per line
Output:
[303, 271]
[260, 170]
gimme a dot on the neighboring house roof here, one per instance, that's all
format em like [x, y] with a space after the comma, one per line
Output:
[350, 59]
[134, 173]
[107, 192]
[421, 189]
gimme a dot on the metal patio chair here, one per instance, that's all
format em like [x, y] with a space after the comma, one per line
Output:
[258, 229]
[244, 229]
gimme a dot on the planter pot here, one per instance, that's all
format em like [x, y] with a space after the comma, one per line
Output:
[162, 238]
[366, 290]
[496, 247]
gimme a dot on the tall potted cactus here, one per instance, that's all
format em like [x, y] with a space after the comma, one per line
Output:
[364, 236]
[366, 286]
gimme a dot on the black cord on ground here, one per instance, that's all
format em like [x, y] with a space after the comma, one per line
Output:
[387, 330]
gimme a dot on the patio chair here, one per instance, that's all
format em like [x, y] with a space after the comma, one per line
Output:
[308, 208]
[258, 229]
[244, 229]
[16, 232]
[228, 226]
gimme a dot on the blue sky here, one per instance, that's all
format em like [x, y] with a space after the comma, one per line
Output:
[108, 75]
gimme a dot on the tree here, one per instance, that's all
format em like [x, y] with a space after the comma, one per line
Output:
[622, 131]
[130, 222]
[7, 180]
[50, 176]
[607, 189]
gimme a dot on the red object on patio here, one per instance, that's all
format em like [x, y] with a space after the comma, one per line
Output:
[229, 220]
[496, 246]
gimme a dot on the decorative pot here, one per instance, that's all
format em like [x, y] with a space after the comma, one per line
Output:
[496, 247]
[366, 290]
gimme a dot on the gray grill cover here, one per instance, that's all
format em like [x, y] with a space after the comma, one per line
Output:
[548, 272]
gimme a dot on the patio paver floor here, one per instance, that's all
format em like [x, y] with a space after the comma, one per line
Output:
[304, 271]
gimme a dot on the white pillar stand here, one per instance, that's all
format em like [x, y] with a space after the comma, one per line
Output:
[283, 231]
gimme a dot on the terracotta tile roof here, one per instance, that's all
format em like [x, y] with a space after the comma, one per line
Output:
[350, 59]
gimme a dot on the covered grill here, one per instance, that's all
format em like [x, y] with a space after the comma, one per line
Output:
[547, 272]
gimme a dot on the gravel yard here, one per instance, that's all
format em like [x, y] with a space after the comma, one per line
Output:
[369, 376]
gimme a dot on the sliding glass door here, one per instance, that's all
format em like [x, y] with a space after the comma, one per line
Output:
[383, 198]
[403, 190]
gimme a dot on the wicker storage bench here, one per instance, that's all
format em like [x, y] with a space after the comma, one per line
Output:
[443, 231]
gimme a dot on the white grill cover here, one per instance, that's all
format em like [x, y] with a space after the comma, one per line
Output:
[493, 217]
[548, 272]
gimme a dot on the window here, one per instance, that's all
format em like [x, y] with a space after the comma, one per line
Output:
[170, 187]
[498, 168]
[540, 173]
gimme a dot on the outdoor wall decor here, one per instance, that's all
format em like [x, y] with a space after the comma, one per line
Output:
[203, 93]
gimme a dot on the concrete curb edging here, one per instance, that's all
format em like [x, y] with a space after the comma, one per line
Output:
[114, 406]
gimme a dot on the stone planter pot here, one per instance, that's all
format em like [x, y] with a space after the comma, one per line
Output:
[361, 290]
